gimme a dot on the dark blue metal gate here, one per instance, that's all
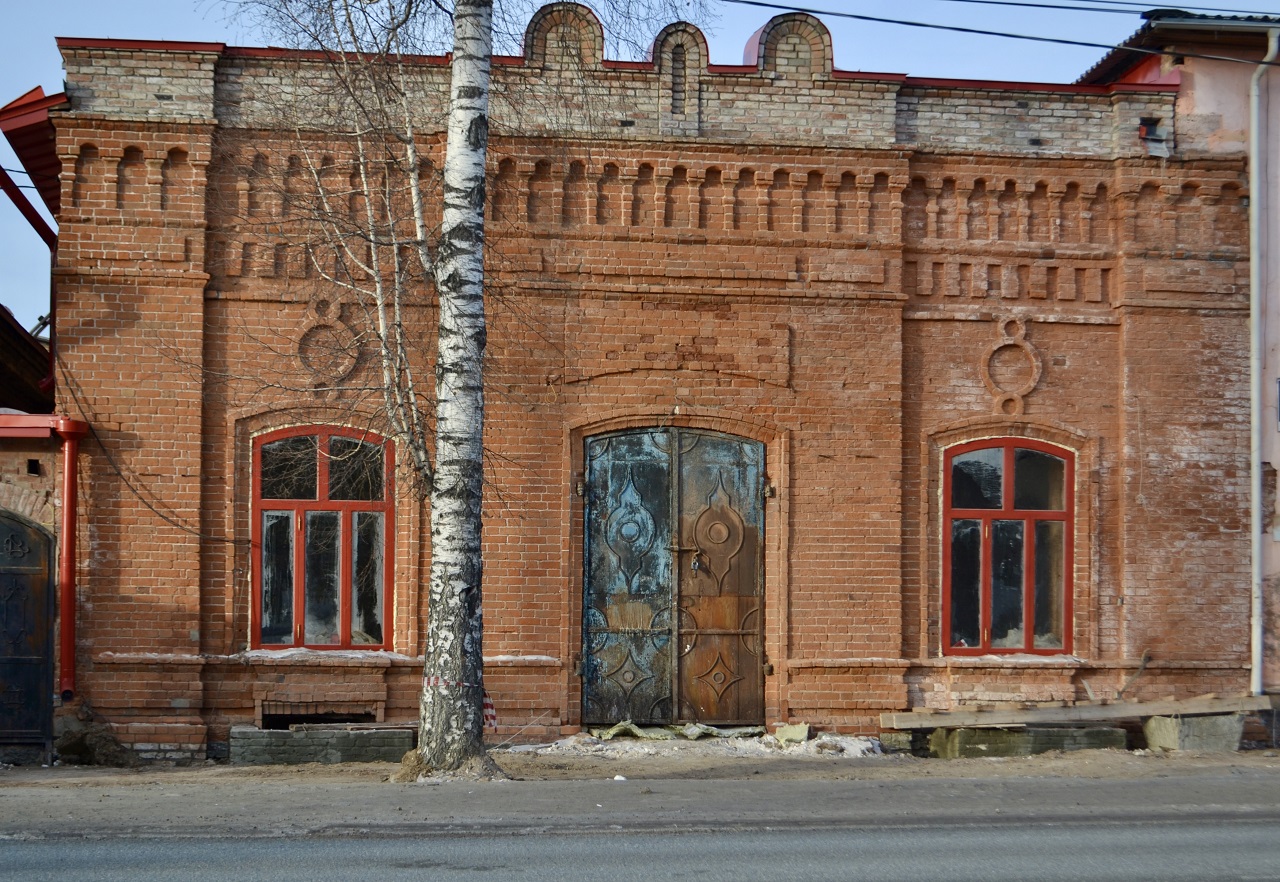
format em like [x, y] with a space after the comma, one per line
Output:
[26, 619]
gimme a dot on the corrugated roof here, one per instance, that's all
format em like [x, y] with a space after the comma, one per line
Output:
[24, 362]
[1118, 61]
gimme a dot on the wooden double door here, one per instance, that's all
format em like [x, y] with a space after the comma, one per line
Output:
[672, 625]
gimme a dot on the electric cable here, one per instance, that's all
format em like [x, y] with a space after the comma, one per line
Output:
[986, 33]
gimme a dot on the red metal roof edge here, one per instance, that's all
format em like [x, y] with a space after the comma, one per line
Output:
[1011, 86]
[39, 425]
[26, 126]
[837, 74]
[13, 115]
[128, 45]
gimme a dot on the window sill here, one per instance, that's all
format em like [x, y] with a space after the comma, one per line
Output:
[380, 658]
[1015, 659]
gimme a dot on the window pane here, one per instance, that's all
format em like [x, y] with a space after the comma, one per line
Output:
[966, 578]
[277, 577]
[1050, 578]
[322, 551]
[289, 468]
[1006, 583]
[366, 578]
[976, 479]
[1039, 481]
[355, 469]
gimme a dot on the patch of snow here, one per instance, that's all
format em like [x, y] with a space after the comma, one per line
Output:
[149, 656]
[1030, 658]
[842, 746]
[318, 654]
[507, 659]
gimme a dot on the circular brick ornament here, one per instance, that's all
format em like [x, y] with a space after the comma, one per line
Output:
[1011, 367]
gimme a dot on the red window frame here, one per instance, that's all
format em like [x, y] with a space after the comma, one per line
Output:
[299, 509]
[1007, 512]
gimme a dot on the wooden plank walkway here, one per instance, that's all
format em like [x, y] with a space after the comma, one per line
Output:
[1080, 712]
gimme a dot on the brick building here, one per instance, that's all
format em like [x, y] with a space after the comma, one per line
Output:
[813, 394]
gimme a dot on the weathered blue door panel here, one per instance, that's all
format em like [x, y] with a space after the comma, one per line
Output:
[627, 619]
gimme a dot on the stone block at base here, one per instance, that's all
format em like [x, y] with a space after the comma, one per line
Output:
[1219, 733]
[961, 743]
[250, 746]
[895, 740]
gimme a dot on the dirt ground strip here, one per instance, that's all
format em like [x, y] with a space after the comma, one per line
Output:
[584, 759]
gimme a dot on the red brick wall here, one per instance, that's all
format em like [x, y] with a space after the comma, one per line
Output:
[857, 311]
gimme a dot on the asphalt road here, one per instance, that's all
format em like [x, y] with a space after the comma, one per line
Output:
[1135, 819]
[1199, 850]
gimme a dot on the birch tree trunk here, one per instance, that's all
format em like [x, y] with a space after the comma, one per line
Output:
[360, 237]
[451, 725]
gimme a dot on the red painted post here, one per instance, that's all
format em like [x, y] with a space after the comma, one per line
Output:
[71, 431]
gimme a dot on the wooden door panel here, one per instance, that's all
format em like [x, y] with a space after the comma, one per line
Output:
[720, 668]
[721, 516]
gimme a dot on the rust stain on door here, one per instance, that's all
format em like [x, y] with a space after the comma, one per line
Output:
[672, 621]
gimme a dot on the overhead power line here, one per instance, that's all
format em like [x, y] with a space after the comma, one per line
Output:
[20, 171]
[1130, 7]
[1145, 7]
[1131, 10]
[986, 33]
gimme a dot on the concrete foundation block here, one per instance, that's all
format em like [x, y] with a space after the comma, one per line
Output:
[962, 743]
[1219, 733]
[793, 733]
[895, 740]
[250, 745]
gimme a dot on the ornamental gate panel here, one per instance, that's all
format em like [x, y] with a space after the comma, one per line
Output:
[26, 617]
[672, 621]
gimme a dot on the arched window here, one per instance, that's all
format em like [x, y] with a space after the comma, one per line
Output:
[1008, 543]
[322, 524]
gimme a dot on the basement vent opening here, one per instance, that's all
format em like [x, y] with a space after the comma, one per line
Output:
[287, 721]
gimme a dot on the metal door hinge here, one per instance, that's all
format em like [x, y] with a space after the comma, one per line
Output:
[580, 488]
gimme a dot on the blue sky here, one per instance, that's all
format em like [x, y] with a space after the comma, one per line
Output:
[29, 57]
